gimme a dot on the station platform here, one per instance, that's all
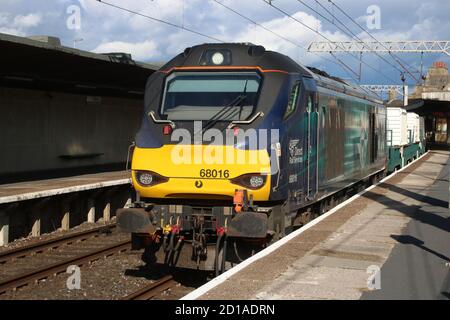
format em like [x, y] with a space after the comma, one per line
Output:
[22, 191]
[37, 207]
[399, 227]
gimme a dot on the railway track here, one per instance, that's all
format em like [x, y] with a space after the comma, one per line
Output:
[40, 247]
[34, 276]
[153, 290]
[22, 278]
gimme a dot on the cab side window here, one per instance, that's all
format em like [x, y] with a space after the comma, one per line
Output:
[293, 99]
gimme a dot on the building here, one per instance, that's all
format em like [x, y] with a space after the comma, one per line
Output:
[432, 101]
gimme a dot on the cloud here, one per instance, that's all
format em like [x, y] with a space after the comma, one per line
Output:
[140, 50]
[19, 24]
[27, 21]
[12, 31]
[299, 35]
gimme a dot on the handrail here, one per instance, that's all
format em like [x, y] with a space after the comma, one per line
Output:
[130, 152]
[308, 155]
[152, 115]
[317, 151]
[233, 123]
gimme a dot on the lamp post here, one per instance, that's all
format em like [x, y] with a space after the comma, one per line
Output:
[76, 40]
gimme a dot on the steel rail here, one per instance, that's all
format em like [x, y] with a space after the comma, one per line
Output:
[38, 247]
[153, 289]
[26, 278]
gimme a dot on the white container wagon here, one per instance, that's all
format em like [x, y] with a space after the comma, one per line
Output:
[405, 137]
[413, 127]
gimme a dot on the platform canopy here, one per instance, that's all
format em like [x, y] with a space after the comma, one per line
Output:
[437, 119]
[44, 64]
[428, 106]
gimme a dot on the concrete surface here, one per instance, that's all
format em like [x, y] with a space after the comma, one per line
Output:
[416, 268]
[44, 188]
[331, 259]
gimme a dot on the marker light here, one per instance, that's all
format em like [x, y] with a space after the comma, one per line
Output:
[167, 129]
[217, 58]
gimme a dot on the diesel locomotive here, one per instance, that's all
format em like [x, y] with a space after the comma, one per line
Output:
[237, 146]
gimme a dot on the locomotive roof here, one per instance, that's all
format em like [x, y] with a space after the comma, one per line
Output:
[248, 54]
[345, 87]
[243, 54]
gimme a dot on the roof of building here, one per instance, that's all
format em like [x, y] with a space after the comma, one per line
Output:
[41, 62]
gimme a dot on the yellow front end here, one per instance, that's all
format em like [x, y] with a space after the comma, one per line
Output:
[200, 172]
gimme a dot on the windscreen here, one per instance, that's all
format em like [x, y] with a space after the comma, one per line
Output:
[221, 96]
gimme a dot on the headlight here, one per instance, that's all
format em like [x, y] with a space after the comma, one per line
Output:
[256, 181]
[145, 178]
[251, 181]
[217, 58]
[148, 178]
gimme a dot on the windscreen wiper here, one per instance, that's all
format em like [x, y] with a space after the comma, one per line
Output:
[224, 110]
[239, 99]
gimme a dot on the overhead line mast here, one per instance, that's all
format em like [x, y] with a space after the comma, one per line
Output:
[364, 30]
[417, 46]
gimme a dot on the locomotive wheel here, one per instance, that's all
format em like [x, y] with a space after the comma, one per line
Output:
[219, 264]
[374, 179]
[303, 218]
[276, 235]
[333, 202]
[148, 256]
[323, 206]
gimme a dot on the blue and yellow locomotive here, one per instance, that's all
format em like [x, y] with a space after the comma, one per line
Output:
[237, 146]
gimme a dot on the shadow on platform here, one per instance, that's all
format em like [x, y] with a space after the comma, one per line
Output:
[413, 211]
[417, 196]
[407, 239]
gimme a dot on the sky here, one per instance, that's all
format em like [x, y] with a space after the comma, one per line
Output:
[103, 28]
